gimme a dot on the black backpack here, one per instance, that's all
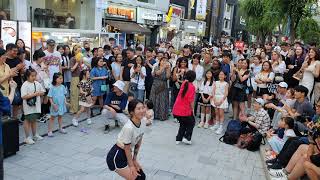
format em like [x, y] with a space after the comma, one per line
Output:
[257, 139]
[232, 133]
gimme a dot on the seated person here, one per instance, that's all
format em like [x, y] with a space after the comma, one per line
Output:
[276, 142]
[114, 105]
[149, 116]
[260, 121]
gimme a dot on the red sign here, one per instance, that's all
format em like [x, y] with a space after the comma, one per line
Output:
[239, 45]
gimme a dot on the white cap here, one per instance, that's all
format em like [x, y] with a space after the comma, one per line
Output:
[119, 84]
[283, 85]
[260, 101]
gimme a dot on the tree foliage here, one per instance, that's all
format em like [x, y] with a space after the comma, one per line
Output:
[308, 30]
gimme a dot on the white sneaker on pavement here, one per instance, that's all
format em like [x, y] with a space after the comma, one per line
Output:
[178, 142]
[50, 134]
[89, 121]
[219, 130]
[200, 125]
[206, 126]
[75, 122]
[37, 137]
[62, 131]
[215, 127]
[279, 173]
[184, 140]
[29, 140]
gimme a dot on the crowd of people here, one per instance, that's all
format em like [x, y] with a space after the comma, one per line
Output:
[272, 89]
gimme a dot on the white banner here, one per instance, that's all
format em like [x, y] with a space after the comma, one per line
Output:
[201, 10]
[25, 33]
[8, 32]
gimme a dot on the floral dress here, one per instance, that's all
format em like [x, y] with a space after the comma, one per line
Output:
[85, 99]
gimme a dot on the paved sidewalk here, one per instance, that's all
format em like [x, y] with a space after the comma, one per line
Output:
[81, 156]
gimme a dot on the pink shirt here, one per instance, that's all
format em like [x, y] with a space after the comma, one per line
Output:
[182, 106]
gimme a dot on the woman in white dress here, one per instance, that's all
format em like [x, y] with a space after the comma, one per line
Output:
[278, 66]
[310, 69]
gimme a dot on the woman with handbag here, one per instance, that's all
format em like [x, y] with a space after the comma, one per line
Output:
[85, 97]
[310, 69]
[137, 75]
[159, 94]
[264, 78]
[99, 75]
[278, 66]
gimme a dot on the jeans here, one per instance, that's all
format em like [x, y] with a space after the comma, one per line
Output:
[121, 117]
[139, 94]
[67, 85]
[186, 127]
[1, 162]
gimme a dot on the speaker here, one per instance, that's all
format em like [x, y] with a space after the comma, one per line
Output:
[10, 136]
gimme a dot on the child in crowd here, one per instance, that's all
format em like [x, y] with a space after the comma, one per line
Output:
[31, 91]
[149, 116]
[275, 141]
[130, 98]
[219, 101]
[85, 97]
[57, 96]
[204, 102]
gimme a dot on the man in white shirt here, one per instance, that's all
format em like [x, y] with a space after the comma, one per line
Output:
[52, 58]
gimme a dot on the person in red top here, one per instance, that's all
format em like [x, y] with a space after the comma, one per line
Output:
[183, 109]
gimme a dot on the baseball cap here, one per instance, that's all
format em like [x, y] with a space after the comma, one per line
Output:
[260, 101]
[283, 85]
[119, 84]
[51, 42]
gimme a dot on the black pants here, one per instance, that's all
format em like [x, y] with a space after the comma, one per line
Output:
[186, 127]
[289, 148]
[1, 162]
[148, 85]
[196, 101]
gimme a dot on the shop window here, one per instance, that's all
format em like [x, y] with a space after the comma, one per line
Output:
[4, 9]
[226, 24]
[63, 14]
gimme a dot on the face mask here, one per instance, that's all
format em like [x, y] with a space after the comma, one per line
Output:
[87, 49]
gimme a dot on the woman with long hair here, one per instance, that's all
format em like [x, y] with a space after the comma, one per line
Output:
[65, 66]
[263, 78]
[137, 75]
[178, 76]
[278, 66]
[294, 66]
[183, 109]
[20, 43]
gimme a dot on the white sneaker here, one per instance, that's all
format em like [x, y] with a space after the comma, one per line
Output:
[279, 173]
[200, 125]
[219, 130]
[178, 142]
[28, 140]
[50, 134]
[206, 126]
[75, 122]
[63, 131]
[89, 121]
[184, 140]
[37, 137]
[215, 127]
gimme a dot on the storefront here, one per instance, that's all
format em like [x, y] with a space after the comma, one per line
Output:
[192, 31]
[151, 19]
[123, 19]
[6, 9]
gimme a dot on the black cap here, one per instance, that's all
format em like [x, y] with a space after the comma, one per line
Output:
[2, 52]
[51, 41]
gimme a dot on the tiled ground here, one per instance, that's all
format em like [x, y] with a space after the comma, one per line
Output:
[81, 156]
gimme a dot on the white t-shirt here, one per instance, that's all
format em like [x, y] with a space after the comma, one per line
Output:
[29, 88]
[139, 80]
[131, 134]
[206, 88]
[54, 67]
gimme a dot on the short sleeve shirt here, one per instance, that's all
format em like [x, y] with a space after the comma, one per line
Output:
[131, 133]
[182, 106]
[27, 89]
[304, 108]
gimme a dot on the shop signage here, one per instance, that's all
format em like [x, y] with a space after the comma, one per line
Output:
[201, 9]
[8, 32]
[121, 12]
[25, 33]
[149, 16]
[239, 45]
[177, 12]
[65, 34]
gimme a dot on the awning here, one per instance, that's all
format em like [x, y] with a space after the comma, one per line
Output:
[129, 27]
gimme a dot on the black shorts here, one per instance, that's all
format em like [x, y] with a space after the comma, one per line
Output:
[116, 158]
[262, 91]
[315, 159]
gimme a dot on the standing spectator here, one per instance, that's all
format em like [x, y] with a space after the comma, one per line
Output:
[227, 65]
[295, 64]
[206, 94]
[150, 61]
[15, 65]
[127, 64]
[115, 104]
[278, 66]
[263, 78]
[139, 51]
[76, 65]
[20, 44]
[216, 68]
[117, 67]
[99, 75]
[66, 68]
[138, 74]
[5, 73]
[311, 70]
[159, 94]
[206, 64]
[53, 58]
[183, 109]
[178, 76]
[31, 91]
[22, 58]
[255, 68]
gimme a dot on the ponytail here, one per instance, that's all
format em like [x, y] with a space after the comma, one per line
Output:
[185, 89]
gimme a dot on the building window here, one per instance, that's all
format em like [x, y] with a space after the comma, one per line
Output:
[63, 14]
[226, 24]
[228, 7]
[5, 10]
